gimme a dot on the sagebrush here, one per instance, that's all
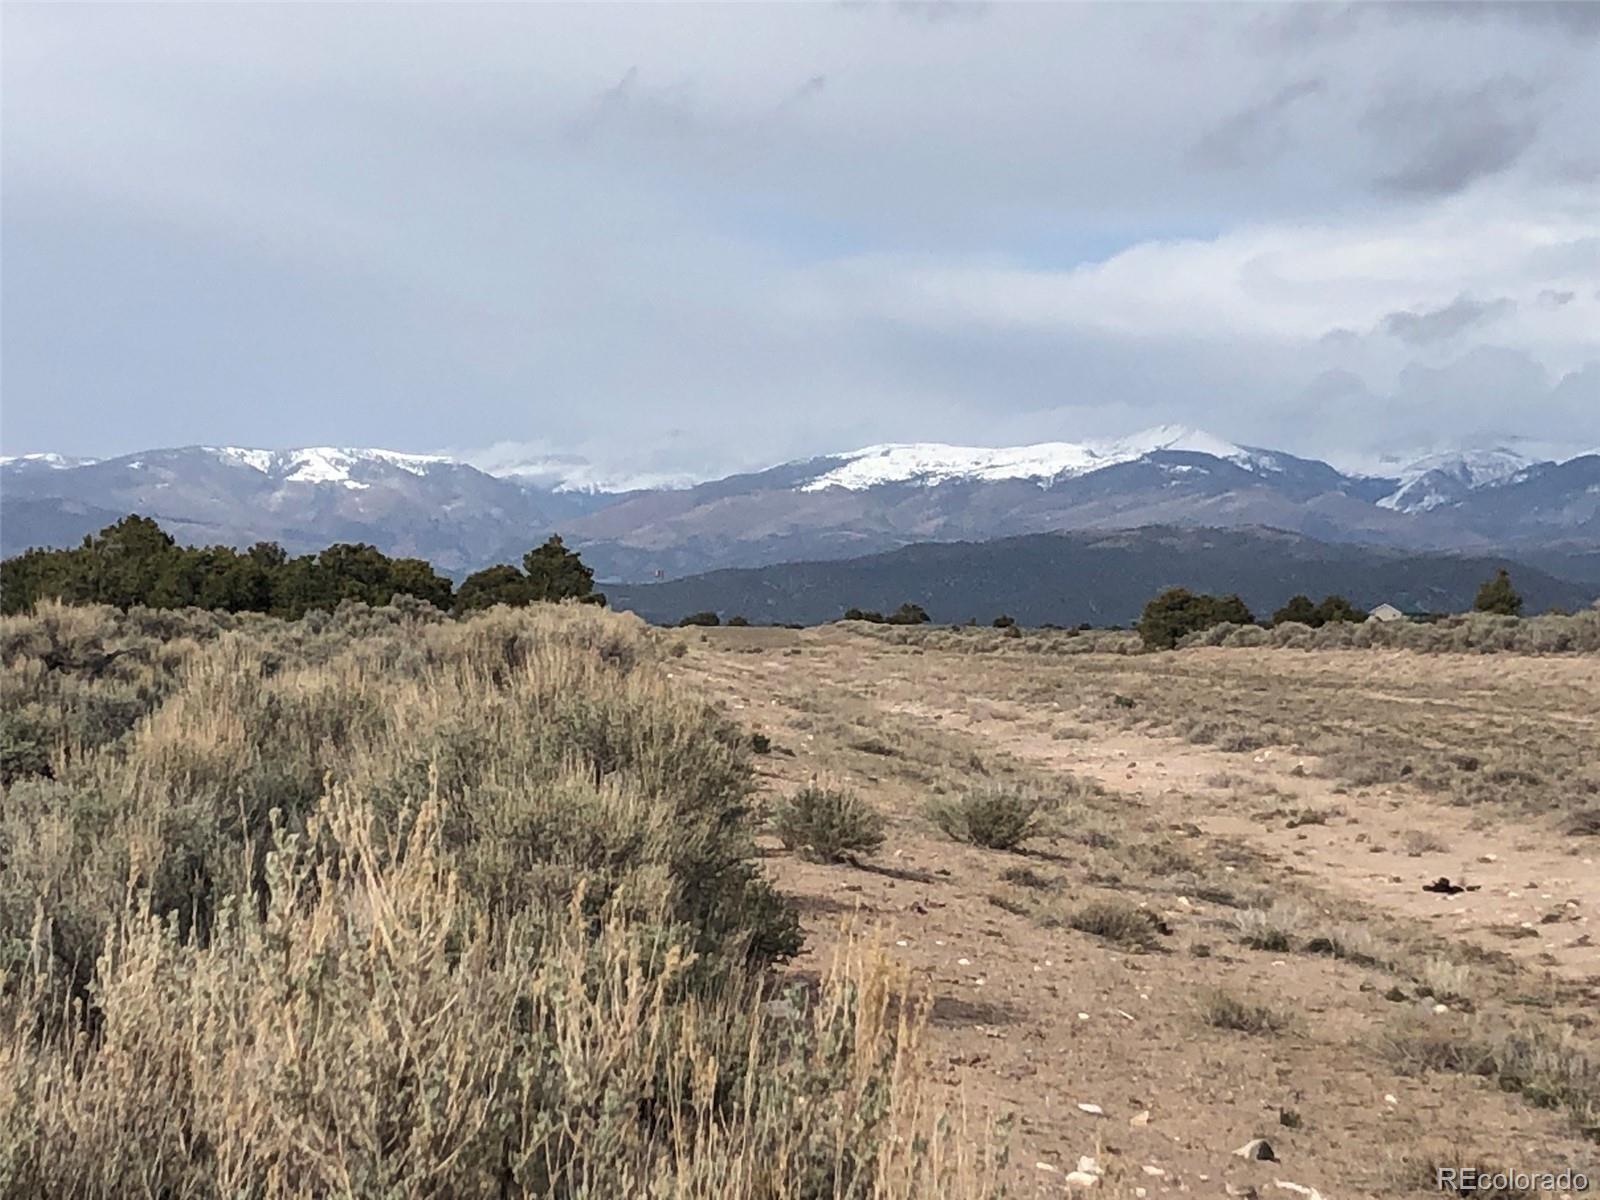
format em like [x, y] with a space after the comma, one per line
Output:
[380, 904]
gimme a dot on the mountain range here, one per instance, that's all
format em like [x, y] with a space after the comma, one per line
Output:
[831, 507]
[1102, 578]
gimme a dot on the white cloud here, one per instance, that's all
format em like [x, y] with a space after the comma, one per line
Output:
[675, 240]
[1282, 282]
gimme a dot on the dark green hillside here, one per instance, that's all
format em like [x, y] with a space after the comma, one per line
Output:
[1101, 578]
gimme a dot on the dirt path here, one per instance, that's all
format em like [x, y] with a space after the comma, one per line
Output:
[1531, 897]
[1074, 1047]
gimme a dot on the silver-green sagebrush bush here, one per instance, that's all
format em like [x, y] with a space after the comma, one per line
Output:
[998, 818]
[828, 824]
[385, 904]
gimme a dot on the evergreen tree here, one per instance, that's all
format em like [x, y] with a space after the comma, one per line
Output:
[908, 614]
[1172, 614]
[30, 577]
[556, 573]
[1334, 609]
[124, 561]
[1498, 596]
[416, 577]
[503, 584]
[1299, 609]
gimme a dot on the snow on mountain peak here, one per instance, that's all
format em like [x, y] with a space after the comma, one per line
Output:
[1473, 467]
[929, 463]
[1436, 479]
[325, 464]
[45, 458]
[936, 462]
[572, 473]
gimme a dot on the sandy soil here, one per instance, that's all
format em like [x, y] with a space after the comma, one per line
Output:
[1067, 1046]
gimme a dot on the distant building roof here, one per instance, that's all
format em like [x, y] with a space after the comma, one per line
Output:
[1386, 612]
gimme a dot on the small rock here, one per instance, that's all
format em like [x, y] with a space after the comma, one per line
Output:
[1140, 1118]
[1390, 1098]
[1310, 1193]
[1088, 1172]
[1154, 1171]
[1258, 1150]
[1487, 858]
[1044, 1166]
[1094, 1110]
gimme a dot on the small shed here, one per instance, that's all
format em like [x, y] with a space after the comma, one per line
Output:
[1386, 612]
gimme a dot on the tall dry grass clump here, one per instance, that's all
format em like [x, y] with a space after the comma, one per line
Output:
[386, 905]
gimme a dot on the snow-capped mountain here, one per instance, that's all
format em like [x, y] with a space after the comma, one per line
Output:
[1437, 479]
[324, 464]
[463, 515]
[931, 463]
[563, 473]
[47, 461]
[416, 504]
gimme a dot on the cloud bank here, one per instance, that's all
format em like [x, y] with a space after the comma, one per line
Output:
[683, 241]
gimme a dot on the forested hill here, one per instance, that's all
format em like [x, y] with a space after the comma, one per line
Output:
[1099, 578]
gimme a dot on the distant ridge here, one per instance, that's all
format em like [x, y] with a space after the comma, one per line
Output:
[857, 502]
[1100, 578]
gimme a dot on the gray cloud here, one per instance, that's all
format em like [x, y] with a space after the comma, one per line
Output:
[937, 11]
[1420, 327]
[620, 231]
[1255, 133]
[1579, 18]
[1439, 144]
[1316, 23]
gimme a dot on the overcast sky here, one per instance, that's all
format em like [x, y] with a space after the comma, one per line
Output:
[694, 239]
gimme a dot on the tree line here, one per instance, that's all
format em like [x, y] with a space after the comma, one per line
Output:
[136, 562]
[1176, 612]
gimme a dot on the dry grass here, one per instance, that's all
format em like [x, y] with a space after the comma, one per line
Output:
[1277, 930]
[1119, 922]
[997, 818]
[1418, 842]
[1552, 1069]
[1172, 836]
[385, 905]
[1476, 633]
[1432, 724]
[1224, 1010]
[827, 824]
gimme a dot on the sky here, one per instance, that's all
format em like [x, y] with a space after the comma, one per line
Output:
[683, 240]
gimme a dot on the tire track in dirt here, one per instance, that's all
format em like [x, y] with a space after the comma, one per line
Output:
[1531, 898]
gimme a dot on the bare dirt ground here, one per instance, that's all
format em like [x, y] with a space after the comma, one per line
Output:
[1214, 788]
